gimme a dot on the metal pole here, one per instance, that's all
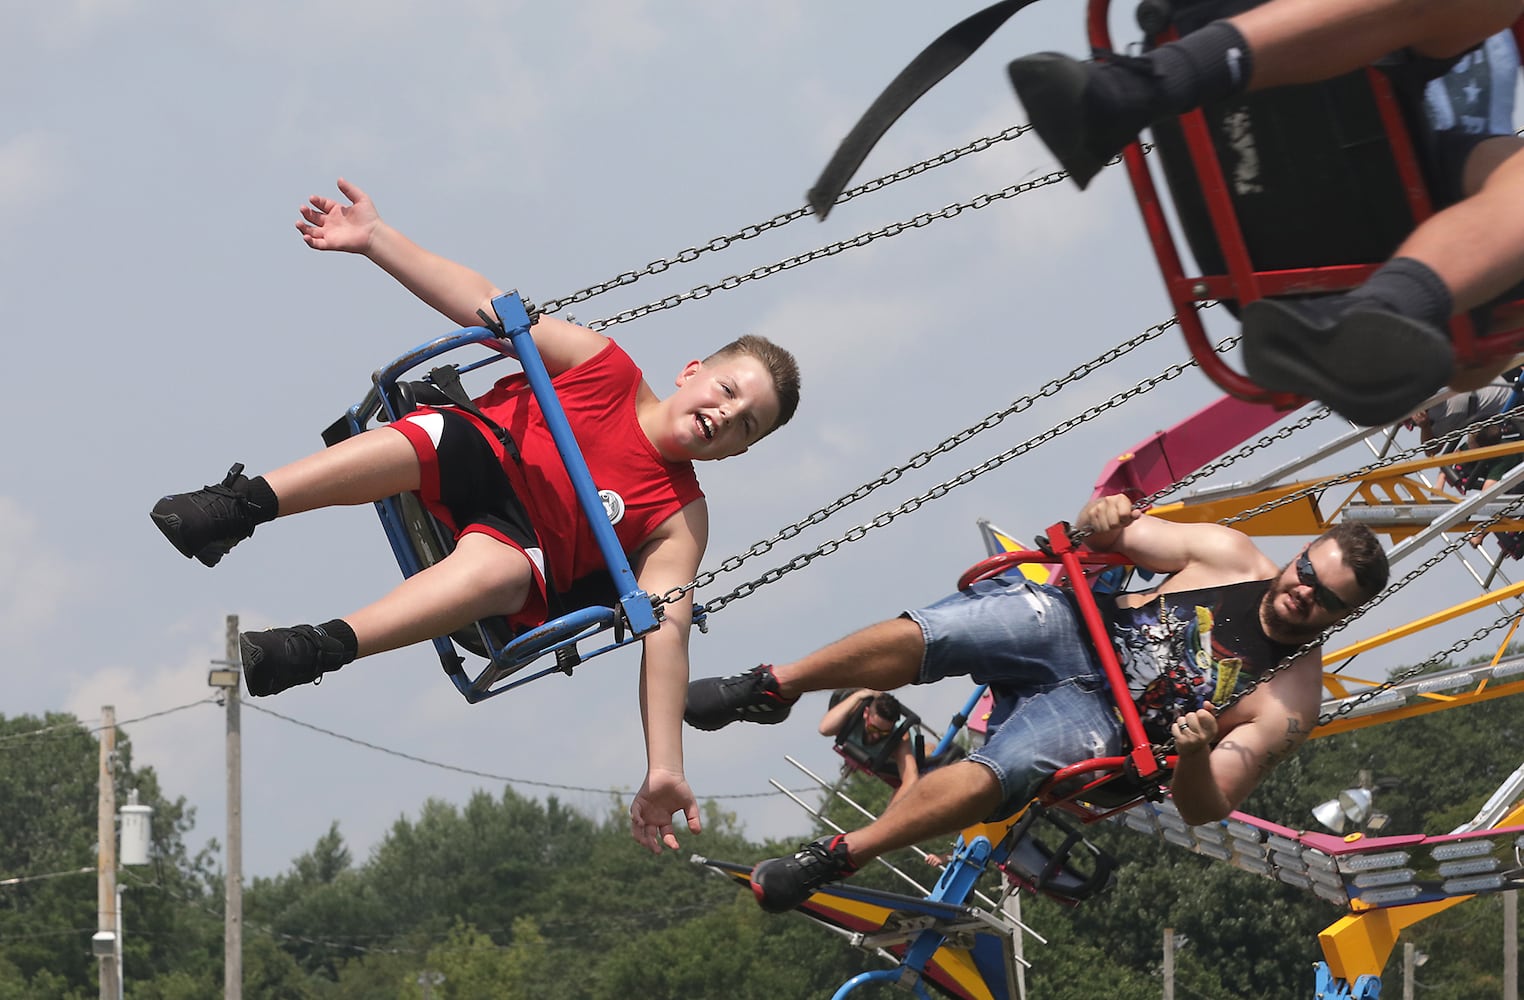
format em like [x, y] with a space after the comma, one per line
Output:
[1511, 945]
[1408, 965]
[232, 939]
[1169, 963]
[121, 946]
[105, 828]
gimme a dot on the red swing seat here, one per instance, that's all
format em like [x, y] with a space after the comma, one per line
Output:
[1292, 191]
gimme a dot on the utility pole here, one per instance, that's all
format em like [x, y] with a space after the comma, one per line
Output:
[1169, 963]
[1511, 945]
[232, 938]
[106, 939]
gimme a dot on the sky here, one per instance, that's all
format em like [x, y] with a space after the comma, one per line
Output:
[165, 320]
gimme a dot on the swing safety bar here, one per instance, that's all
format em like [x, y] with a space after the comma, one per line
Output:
[1062, 551]
[635, 613]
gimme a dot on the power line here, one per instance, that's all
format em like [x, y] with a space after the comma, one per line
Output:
[472, 772]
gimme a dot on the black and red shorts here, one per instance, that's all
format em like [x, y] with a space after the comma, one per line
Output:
[462, 483]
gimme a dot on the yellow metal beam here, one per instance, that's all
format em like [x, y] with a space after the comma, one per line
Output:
[1394, 485]
[1359, 944]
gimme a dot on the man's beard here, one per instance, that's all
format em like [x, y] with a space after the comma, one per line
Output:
[1287, 631]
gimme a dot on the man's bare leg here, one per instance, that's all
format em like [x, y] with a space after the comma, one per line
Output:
[883, 657]
[948, 799]
[1303, 41]
[942, 802]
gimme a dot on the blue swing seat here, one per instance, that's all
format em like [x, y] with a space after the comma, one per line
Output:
[418, 540]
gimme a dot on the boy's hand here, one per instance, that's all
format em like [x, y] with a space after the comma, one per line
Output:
[330, 225]
[662, 794]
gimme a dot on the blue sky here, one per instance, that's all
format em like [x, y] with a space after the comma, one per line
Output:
[166, 321]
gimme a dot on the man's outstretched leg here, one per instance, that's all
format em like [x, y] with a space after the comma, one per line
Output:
[943, 802]
[883, 657]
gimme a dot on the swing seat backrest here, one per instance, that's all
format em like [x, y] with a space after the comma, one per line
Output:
[418, 540]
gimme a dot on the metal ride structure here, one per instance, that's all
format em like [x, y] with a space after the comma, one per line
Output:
[964, 944]
[1383, 489]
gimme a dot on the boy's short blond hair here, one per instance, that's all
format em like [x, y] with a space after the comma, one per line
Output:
[781, 368]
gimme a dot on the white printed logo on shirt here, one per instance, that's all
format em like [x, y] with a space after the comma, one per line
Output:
[613, 505]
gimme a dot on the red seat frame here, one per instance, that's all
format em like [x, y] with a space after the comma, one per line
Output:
[1241, 282]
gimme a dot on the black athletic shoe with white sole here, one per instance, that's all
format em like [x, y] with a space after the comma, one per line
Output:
[716, 702]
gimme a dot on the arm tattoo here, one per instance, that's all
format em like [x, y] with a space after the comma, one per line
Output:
[1295, 735]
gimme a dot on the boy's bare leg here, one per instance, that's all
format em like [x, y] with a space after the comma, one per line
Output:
[482, 577]
[365, 468]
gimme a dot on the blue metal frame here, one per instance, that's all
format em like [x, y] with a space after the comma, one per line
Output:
[959, 721]
[1327, 986]
[636, 613]
[953, 888]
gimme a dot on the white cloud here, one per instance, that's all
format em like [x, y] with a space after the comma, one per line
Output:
[33, 169]
[37, 583]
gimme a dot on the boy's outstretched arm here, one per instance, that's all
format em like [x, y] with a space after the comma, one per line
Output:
[453, 290]
[670, 558]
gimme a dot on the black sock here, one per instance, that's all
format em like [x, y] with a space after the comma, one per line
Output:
[261, 499]
[339, 629]
[1206, 65]
[1409, 288]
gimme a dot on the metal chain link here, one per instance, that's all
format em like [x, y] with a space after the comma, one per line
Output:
[1348, 706]
[923, 458]
[940, 490]
[829, 250]
[1392, 589]
[1436, 443]
[719, 243]
[1244, 452]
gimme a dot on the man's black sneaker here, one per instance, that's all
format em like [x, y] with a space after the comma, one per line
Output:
[205, 524]
[716, 702]
[285, 657]
[780, 884]
[1086, 112]
[1367, 364]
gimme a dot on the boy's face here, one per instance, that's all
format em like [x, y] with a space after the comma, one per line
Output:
[723, 407]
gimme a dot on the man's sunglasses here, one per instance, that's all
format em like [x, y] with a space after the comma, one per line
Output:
[1308, 577]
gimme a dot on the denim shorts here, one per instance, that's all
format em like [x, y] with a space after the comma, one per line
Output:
[1027, 641]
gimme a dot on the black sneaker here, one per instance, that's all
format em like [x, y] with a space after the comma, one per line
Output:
[780, 884]
[1365, 363]
[285, 657]
[1086, 112]
[205, 524]
[716, 702]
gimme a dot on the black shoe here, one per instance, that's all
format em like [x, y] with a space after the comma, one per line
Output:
[285, 657]
[1365, 363]
[1082, 127]
[716, 702]
[205, 524]
[780, 884]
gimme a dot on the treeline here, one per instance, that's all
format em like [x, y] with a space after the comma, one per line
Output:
[509, 897]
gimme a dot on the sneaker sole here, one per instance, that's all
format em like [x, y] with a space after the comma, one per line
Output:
[1372, 367]
[1051, 88]
[169, 526]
